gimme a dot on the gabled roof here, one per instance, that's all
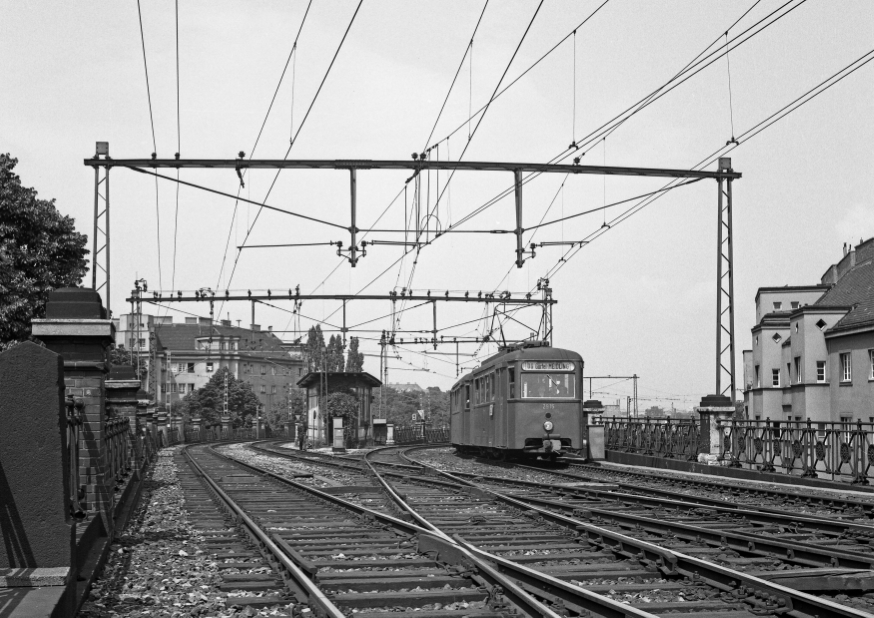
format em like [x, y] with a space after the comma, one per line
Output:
[183, 336]
[313, 377]
[855, 289]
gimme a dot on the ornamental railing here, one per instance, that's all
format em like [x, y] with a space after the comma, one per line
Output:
[838, 451]
[671, 439]
[74, 426]
[116, 439]
[419, 435]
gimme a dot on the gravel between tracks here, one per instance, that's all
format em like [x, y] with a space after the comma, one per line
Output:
[158, 566]
[324, 476]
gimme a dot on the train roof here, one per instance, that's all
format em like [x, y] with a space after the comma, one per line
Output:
[541, 352]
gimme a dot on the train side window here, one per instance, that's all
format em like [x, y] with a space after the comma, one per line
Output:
[492, 384]
[467, 396]
[512, 382]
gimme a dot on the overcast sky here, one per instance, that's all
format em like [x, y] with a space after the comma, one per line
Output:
[639, 299]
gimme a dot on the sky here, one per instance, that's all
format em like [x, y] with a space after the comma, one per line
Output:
[639, 299]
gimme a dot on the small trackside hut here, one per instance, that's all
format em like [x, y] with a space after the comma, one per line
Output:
[525, 401]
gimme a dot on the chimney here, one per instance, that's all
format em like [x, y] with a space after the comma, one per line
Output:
[269, 329]
[226, 322]
[255, 327]
[238, 323]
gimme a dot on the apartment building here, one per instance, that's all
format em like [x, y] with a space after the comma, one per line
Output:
[186, 355]
[812, 353]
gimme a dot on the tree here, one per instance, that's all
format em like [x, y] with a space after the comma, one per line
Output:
[345, 405]
[208, 401]
[354, 358]
[315, 349]
[334, 360]
[123, 356]
[40, 250]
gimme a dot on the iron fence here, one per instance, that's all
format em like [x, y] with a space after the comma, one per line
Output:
[840, 451]
[671, 439]
[74, 425]
[418, 435]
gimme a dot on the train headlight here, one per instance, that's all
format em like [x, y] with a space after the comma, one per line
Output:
[548, 425]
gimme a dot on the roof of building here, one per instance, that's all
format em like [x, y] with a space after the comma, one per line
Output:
[406, 386]
[314, 376]
[793, 288]
[183, 336]
[855, 289]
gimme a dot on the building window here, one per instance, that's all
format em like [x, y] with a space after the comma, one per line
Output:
[172, 387]
[758, 378]
[821, 324]
[190, 367]
[820, 371]
[794, 304]
[273, 369]
[191, 388]
[263, 389]
[796, 327]
[274, 389]
[846, 368]
[263, 369]
[871, 364]
[777, 338]
[798, 369]
[778, 306]
[209, 367]
[788, 374]
[775, 377]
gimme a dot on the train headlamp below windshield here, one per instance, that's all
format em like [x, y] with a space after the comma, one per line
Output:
[548, 425]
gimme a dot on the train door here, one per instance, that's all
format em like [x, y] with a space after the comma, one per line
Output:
[465, 413]
[501, 407]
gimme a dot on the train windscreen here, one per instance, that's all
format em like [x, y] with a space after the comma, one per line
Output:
[548, 386]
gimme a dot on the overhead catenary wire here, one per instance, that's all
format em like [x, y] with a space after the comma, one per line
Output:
[296, 133]
[178, 150]
[698, 64]
[468, 49]
[762, 125]
[154, 140]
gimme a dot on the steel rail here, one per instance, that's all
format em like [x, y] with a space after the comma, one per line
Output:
[866, 506]
[314, 596]
[536, 582]
[675, 562]
[766, 514]
[418, 165]
[441, 543]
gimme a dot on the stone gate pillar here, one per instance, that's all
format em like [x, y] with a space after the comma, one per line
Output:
[712, 407]
[122, 389]
[161, 426]
[76, 327]
[593, 434]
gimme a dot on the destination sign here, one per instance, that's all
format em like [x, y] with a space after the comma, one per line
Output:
[547, 366]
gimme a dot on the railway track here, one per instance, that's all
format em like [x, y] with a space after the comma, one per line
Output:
[337, 558]
[651, 560]
[798, 499]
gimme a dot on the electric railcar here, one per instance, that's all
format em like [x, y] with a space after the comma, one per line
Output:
[526, 401]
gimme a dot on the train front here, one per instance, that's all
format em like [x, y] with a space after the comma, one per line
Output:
[548, 409]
